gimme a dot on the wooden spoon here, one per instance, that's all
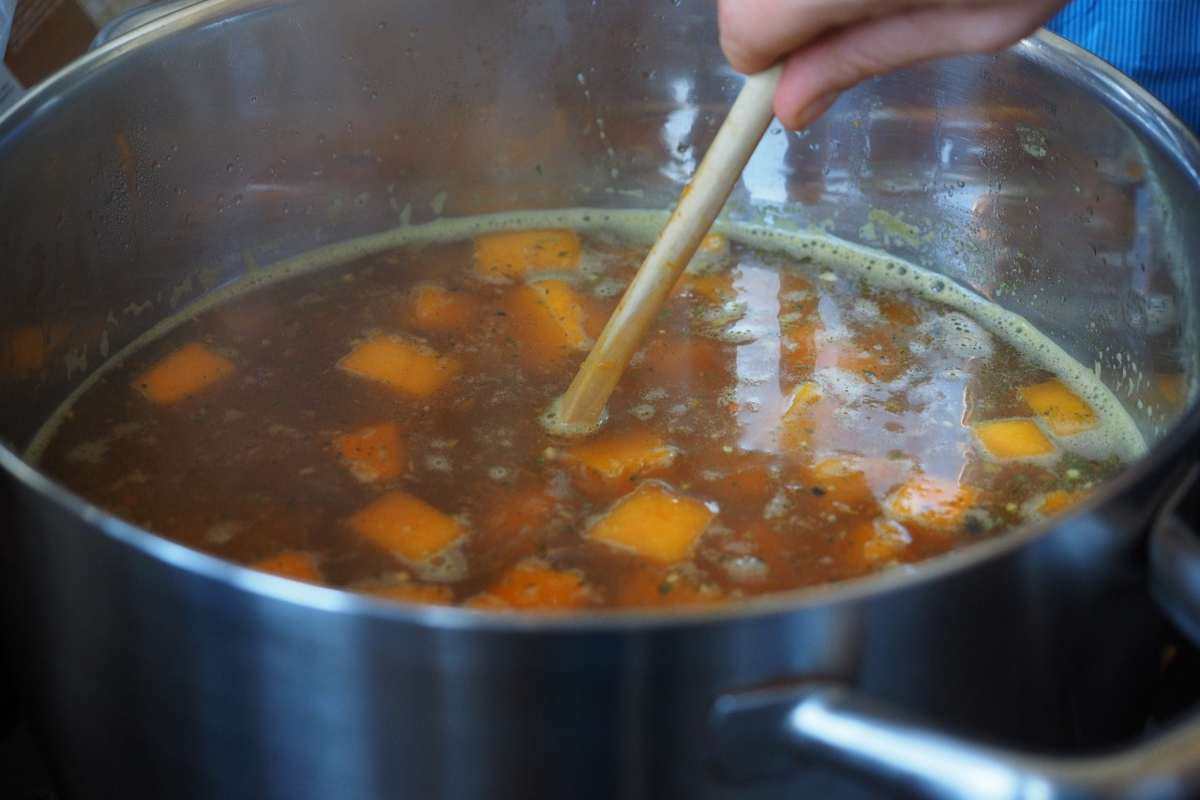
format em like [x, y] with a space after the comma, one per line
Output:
[581, 409]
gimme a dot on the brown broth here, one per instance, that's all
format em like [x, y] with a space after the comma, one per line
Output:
[879, 461]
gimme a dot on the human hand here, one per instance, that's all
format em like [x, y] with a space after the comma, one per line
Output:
[831, 45]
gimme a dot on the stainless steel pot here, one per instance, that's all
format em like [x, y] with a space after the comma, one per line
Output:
[234, 133]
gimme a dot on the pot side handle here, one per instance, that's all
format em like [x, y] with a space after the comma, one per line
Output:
[137, 17]
[759, 733]
[1175, 562]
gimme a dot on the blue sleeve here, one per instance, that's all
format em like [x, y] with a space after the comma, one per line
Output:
[1156, 42]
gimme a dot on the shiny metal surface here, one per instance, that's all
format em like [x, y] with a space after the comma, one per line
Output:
[829, 723]
[240, 132]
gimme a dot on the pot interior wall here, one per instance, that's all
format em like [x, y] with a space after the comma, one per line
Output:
[245, 132]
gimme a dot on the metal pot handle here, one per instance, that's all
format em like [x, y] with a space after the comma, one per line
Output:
[1175, 563]
[136, 17]
[756, 733]
[762, 732]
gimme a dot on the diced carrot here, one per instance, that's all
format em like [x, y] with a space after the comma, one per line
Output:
[615, 459]
[435, 309]
[1012, 438]
[653, 522]
[410, 592]
[1064, 411]
[404, 366]
[291, 564]
[189, 370]
[1058, 501]
[548, 320]
[373, 453]
[877, 541]
[533, 585]
[842, 479]
[26, 350]
[652, 586]
[714, 287]
[512, 255]
[798, 424]
[933, 503]
[406, 526]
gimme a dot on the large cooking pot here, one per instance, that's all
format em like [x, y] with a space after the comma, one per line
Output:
[235, 133]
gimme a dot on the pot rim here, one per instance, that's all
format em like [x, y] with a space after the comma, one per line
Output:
[1133, 105]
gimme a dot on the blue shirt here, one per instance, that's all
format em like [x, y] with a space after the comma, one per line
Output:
[1156, 42]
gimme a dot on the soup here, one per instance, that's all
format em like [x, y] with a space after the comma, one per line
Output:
[802, 412]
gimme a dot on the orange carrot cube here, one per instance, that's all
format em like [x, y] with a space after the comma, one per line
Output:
[798, 424]
[878, 541]
[653, 522]
[435, 309]
[842, 479]
[291, 564]
[548, 319]
[621, 457]
[403, 366]
[533, 585]
[373, 453]
[406, 526]
[1058, 501]
[713, 287]
[189, 370]
[933, 503]
[502, 257]
[1012, 438]
[1064, 411]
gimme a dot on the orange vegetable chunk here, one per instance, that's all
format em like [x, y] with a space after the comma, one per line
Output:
[548, 320]
[653, 522]
[511, 255]
[879, 541]
[1064, 411]
[843, 479]
[933, 503]
[1059, 501]
[189, 370]
[533, 585]
[373, 453]
[435, 309]
[404, 366]
[291, 564]
[410, 592]
[798, 423]
[622, 456]
[1012, 438]
[406, 526]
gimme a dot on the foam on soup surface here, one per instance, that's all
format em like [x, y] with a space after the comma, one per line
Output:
[802, 412]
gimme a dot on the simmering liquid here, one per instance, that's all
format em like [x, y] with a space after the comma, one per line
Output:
[801, 413]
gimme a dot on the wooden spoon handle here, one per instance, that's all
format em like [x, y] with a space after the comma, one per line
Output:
[581, 408]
